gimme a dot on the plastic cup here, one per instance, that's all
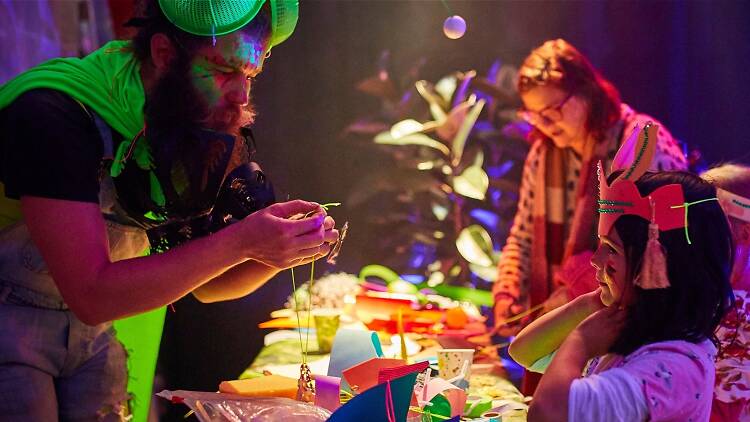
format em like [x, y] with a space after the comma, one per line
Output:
[326, 325]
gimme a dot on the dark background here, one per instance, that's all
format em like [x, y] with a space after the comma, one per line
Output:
[686, 63]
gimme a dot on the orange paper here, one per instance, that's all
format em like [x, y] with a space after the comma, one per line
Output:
[266, 386]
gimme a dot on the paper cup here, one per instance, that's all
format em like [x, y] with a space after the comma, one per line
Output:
[451, 361]
[326, 325]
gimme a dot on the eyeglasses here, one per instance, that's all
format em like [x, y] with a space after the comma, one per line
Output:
[545, 116]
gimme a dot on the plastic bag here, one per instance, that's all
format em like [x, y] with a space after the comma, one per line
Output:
[215, 407]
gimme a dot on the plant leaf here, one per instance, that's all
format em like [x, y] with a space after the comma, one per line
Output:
[459, 142]
[479, 159]
[385, 138]
[475, 245]
[446, 87]
[485, 273]
[406, 127]
[440, 211]
[448, 128]
[437, 105]
[472, 183]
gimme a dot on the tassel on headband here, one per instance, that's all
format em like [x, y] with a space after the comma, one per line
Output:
[654, 268]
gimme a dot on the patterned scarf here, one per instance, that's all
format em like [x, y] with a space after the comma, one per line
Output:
[556, 239]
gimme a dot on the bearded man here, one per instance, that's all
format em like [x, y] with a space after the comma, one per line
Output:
[141, 146]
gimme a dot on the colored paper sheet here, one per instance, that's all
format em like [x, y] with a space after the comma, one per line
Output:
[387, 374]
[439, 406]
[140, 335]
[327, 390]
[457, 399]
[364, 375]
[436, 386]
[476, 406]
[351, 347]
[370, 405]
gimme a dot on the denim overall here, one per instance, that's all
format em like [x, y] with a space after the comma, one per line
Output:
[50, 362]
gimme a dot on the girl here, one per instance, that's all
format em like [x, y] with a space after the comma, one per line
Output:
[643, 337]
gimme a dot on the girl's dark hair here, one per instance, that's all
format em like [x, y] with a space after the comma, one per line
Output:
[153, 21]
[700, 292]
[558, 64]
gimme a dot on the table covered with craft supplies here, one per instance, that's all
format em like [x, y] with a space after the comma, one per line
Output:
[348, 348]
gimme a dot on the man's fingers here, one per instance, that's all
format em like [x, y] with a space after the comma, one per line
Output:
[310, 240]
[297, 206]
[321, 250]
[311, 225]
[331, 236]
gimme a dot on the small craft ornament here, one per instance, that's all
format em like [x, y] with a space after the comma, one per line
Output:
[336, 248]
[654, 268]
[305, 385]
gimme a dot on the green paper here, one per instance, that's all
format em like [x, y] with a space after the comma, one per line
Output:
[440, 407]
[157, 195]
[140, 335]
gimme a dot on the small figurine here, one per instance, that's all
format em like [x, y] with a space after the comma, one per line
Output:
[305, 385]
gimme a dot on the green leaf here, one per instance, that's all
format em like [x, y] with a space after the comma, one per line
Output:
[472, 183]
[438, 113]
[479, 159]
[436, 102]
[485, 273]
[435, 279]
[406, 127]
[440, 211]
[385, 138]
[475, 245]
[459, 142]
[446, 87]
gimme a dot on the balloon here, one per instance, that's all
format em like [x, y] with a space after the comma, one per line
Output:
[454, 27]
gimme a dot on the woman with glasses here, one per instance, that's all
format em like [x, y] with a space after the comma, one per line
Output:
[577, 119]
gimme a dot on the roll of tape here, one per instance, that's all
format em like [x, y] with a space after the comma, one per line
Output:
[491, 416]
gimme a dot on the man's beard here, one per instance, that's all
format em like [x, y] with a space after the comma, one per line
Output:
[175, 111]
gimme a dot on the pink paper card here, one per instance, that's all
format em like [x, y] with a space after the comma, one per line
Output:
[365, 375]
[388, 374]
[457, 399]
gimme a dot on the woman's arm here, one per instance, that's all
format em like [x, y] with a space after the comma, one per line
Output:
[545, 334]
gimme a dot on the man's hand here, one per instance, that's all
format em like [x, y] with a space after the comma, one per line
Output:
[273, 237]
[599, 331]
